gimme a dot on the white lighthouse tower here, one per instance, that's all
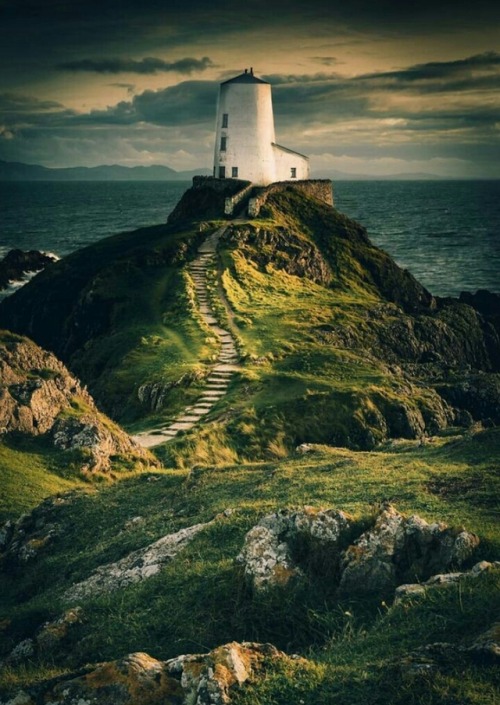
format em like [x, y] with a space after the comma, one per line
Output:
[245, 143]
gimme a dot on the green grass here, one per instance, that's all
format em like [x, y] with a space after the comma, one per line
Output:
[200, 600]
[30, 470]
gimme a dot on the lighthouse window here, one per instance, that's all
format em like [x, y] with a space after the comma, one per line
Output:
[222, 172]
[294, 172]
[225, 119]
[234, 172]
[223, 142]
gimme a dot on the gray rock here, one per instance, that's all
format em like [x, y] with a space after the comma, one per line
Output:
[137, 566]
[191, 679]
[267, 554]
[398, 548]
[412, 590]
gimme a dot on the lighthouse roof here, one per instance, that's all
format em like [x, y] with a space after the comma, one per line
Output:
[246, 77]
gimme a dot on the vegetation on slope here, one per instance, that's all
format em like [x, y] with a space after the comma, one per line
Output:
[339, 347]
[200, 600]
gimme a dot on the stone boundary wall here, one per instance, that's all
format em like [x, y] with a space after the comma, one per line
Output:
[321, 189]
[232, 201]
[226, 186]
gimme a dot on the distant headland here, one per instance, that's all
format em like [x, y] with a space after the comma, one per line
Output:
[18, 171]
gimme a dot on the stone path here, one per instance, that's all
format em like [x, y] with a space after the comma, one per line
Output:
[227, 361]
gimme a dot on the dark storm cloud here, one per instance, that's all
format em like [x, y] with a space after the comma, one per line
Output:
[187, 103]
[436, 70]
[325, 60]
[12, 103]
[148, 65]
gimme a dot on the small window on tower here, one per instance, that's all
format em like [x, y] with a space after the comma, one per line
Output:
[234, 172]
[294, 172]
[222, 172]
[223, 143]
[225, 119]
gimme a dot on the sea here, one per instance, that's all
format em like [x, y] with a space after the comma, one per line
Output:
[447, 233]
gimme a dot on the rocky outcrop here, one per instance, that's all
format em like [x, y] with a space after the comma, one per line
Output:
[191, 679]
[154, 395]
[398, 548]
[38, 396]
[395, 549]
[269, 553]
[282, 249]
[440, 657]
[17, 263]
[21, 541]
[410, 591]
[137, 566]
[48, 639]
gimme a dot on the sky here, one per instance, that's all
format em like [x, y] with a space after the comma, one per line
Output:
[362, 87]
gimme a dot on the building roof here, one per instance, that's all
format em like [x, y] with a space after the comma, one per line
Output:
[246, 77]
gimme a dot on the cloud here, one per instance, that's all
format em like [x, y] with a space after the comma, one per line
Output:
[325, 60]
[411, 113]
[185, 104]
[149, 65]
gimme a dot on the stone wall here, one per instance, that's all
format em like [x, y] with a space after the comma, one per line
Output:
[232, 201]
[320, 189]
[226, 186]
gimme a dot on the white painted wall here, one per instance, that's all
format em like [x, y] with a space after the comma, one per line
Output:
[285, 160]
[250, 138]
[249, 134]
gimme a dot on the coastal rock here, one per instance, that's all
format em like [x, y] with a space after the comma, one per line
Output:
[477, 393]
[17, 263]
[137, 566]
[39, 396]
[268, 554]
[191, 679]
[398, 548]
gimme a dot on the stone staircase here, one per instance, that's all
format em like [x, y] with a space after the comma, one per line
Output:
[227, 361]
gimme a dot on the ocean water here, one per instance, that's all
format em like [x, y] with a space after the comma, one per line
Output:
[447, 233]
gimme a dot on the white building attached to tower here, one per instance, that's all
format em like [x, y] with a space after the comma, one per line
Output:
[245, 142]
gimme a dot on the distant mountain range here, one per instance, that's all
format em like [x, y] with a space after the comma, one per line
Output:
[17, 171]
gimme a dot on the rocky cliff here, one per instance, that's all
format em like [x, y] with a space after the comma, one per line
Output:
[39, 397]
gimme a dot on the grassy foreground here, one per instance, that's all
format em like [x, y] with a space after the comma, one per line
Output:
[199, 600]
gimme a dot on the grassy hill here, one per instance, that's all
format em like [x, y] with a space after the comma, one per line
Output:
[394, 392]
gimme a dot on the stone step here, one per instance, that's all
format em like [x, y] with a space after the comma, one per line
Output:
[200, 411]
[181, 426]
[187, 417]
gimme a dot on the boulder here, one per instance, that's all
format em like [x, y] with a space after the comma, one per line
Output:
[137, 566]
[268, 554]
[398, 548]
[191, 679]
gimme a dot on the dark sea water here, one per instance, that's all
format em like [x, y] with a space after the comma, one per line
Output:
[447, 233]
